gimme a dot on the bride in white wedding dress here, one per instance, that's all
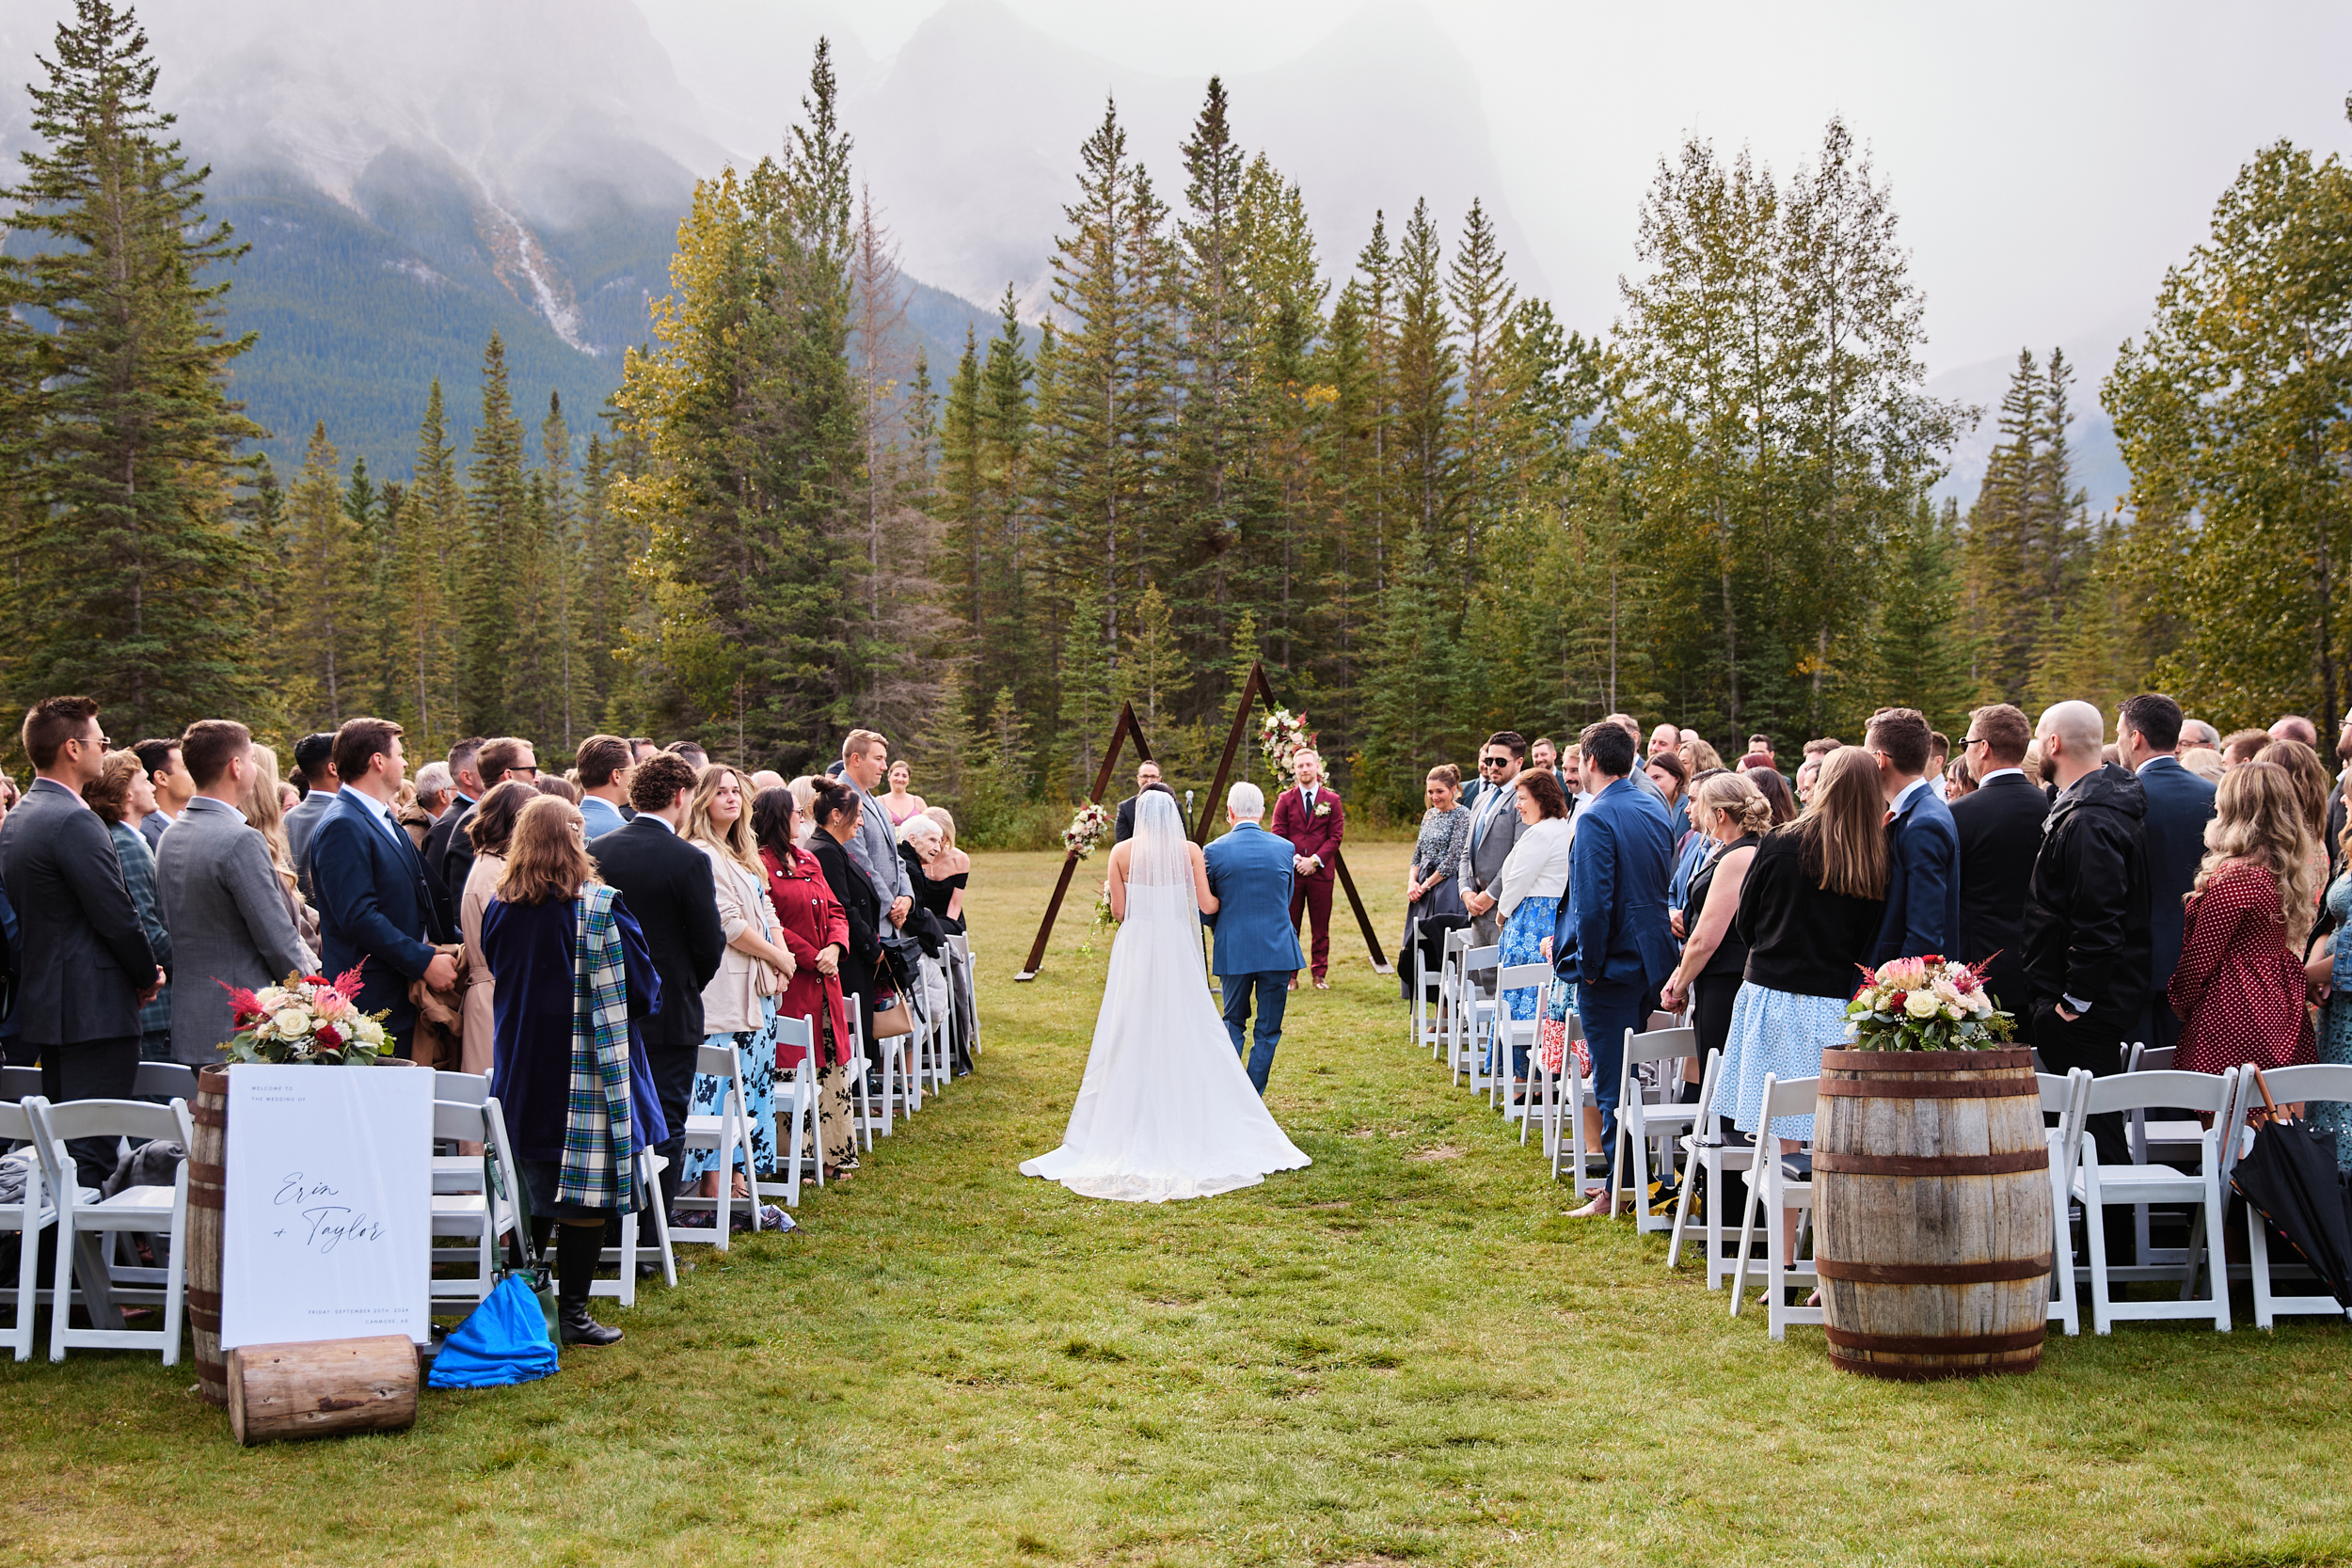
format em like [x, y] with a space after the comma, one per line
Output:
[1165, 1110]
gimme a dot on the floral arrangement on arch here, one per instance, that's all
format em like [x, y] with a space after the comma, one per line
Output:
[1281, 736]
[1925, 1003]
[308, 1021]
[1087, 825]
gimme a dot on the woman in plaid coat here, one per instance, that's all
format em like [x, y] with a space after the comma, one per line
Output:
[569, 1071]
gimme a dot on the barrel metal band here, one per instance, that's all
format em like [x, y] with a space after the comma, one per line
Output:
[208, 1115]
[1935, 1344]
[1932, 1088]
[1992, 1270]
[1925, 1061]
[1932, 1165]
[212, 1176]
[1929, 1371]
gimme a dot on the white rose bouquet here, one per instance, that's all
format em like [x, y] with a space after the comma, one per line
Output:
[308, 1020]
[1087, 825]
[1925, 1003]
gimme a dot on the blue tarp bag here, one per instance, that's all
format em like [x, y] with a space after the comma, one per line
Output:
[503, 1340]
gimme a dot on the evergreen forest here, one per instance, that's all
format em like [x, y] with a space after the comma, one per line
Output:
[1431, 507]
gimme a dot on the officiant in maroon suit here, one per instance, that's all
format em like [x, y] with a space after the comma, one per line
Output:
[1310, 815]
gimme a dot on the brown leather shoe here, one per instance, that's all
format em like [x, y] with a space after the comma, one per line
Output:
[1293, 982]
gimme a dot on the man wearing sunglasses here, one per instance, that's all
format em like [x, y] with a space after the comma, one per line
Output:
[1495, 828]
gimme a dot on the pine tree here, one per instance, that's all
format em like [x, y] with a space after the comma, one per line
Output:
[434, 555]
[493, 538]
[132, 578]
[1212, 371]
[1921, 645]
[327, 615]
[1088, 682]
[1151, 671]
[1426, 367]
[1482, 299]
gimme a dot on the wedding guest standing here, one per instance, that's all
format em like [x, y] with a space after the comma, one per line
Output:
[837, 811]
[2178, 803]
[1309, 816]
[2239, 986]
[1611, 941]
[1495, 828]
[1527, 896]
[1147, 777]
[1810, 907]
[222, 894]
[578, 1100]
[1666, 771]
[377, 911]
[666, 883]
[923, 846]
[264, 806]
[1730, 811]
[489, 833]
[2329, 969]
[168, 788]
[954, 867]
[314, 762]
[817, 934]
[739, 1002]
[603, 762]
[1922, 846]
[122, 795]
[899, 804]
[1433, 890]
[84, 965]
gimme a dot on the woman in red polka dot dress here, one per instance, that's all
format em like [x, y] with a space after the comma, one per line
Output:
[2239, 986]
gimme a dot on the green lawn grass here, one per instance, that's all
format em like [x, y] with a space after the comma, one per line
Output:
[1404, 1354]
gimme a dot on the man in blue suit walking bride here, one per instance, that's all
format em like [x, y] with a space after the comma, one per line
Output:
[1257, 946]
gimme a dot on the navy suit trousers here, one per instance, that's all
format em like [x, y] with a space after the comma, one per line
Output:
[1607, 1011]
[1273, 991]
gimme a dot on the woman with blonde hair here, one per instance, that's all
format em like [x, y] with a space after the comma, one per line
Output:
[1432, 891]
[1733, 813]
[2313, 785]
[489, 831]
[2239, 987]
[1809, 908]
[265, 815]
[569, 1067]
[740, 1003]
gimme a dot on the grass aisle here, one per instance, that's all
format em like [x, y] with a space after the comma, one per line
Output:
[1403, 1352]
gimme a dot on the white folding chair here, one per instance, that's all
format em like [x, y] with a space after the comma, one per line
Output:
[1428, 1000]
[2063, 1099]
[472, 1208]
[1475, 1010]
[2167, 1141]
[873, 1087]
[459, 1172]
[1646, 1129]
[2288, 1085]
[797, 1125]
[1770, 1185]
[1451, 985]
[149, 1210]
[2099, 1187]
[724, 1135]
[1506, 1036]
[30, 1216]
[960, 945]
[1566, 1095]
[622, 1287]
[1704, 1148]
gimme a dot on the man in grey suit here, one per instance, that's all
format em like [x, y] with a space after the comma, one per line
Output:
[220, 896]
[864, 761]
[1495, 828]
[85, 966]
[315, 759]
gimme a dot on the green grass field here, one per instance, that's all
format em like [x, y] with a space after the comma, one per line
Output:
[1401, 1355]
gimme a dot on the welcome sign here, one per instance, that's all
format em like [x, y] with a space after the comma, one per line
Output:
[328, 1227]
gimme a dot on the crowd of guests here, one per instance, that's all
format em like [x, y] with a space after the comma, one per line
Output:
[575, 937]
[2170, 886]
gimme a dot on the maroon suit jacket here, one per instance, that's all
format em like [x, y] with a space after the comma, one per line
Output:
[1311, 835]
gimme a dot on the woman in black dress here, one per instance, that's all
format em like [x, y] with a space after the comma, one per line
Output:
[1729, 809]
[835, 809]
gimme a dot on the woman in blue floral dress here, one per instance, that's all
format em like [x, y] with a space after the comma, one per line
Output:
[2335, 1014]
[1527, 894]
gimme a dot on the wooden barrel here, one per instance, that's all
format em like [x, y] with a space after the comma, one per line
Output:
[1931, 1212]
[208, 1178]
[323, 1388]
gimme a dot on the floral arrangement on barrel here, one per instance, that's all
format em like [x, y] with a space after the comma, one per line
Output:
[1281, 736]
[308, 1021]
[1087, 825]
[1925, 1003]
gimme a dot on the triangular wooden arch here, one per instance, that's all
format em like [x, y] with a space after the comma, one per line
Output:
[1253, 689]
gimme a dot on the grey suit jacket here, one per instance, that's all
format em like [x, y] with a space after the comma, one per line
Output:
[1494, 833]
[876, 850]
[299, 822]
[85, 957]
[226, 911]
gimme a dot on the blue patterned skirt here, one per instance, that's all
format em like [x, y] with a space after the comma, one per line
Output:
[1522, 944]
[1780, 1032]
[756, 1059]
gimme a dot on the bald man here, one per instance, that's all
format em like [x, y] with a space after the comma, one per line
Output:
[2087, 933]
[2294, 726]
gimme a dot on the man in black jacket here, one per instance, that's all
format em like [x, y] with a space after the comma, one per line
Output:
[667, 884]
[87, 967]
[2147, 733]
[1999, 824]
[1147, 777]
[2086, 923]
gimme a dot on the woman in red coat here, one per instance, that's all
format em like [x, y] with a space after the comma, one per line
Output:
[2240, 985]
[815, 932]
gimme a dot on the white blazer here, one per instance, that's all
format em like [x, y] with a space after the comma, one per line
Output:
[1538, 866]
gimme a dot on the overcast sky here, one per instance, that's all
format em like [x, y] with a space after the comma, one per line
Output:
[2048, 159]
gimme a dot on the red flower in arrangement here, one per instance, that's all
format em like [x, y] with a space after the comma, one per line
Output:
[350, 981]
[243, 1004]
[328, 1037]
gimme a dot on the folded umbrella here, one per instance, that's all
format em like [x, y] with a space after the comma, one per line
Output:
[2291, 1178]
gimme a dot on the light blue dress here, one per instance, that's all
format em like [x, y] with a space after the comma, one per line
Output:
[2335, 1020]
[1782, 1034]
[756, 1059]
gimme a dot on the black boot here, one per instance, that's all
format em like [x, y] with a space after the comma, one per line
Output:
[577, 1250]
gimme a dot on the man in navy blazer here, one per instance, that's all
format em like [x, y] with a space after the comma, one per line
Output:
[1257, 946]
[1922, 843]
[376, 909]
[2148, 733]
[1611, 937]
